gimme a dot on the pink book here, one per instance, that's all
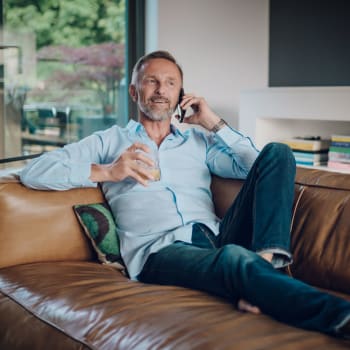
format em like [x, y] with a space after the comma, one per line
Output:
[338, 165]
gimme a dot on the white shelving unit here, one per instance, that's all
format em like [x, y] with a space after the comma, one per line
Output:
[272, 114]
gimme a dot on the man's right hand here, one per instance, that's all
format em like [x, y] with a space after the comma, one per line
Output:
[127, 165]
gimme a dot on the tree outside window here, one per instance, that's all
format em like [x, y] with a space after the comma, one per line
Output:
[79, 57]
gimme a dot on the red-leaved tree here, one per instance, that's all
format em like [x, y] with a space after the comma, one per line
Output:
[98, 67]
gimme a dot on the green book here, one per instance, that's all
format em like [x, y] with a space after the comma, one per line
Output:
[339, 149]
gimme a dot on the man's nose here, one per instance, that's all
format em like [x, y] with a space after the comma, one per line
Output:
[160, 88]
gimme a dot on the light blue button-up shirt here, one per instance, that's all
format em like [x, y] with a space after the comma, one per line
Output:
[150, 218]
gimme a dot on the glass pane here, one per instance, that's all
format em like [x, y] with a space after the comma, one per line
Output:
[63, 68]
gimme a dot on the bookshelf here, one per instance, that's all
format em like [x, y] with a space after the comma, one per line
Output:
[273, 114]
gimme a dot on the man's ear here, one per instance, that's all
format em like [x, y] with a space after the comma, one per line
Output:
[133, 92]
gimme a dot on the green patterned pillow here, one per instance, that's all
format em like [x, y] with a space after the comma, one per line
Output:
[99, 225]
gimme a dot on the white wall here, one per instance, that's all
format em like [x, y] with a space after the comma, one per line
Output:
[278, 113]
[222, 46]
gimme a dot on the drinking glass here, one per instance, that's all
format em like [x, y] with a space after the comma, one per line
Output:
[155, 170]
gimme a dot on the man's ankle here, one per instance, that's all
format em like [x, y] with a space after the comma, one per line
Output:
[267, 256]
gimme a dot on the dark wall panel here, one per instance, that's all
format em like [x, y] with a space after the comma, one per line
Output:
[309, 43]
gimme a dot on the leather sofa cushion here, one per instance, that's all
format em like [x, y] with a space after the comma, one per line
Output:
[98, 308]
[41, 225]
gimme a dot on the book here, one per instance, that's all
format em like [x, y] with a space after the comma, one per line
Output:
[338, 165]
[340, 144]
[340, 138]
[338, 156]
[307, 144]
[310, 156]
[310, 163]
[339, 160]
[339, 149]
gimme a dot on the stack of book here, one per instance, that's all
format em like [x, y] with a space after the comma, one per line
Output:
[311, 151]
[339, 152]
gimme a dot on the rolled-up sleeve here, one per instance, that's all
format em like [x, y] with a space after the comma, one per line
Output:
[230, 154]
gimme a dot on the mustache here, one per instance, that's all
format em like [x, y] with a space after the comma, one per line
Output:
[159, 99]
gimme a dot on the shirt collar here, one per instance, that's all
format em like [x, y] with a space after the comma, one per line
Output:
[134, 126]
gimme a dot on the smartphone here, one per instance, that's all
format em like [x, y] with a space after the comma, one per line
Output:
[182, 111]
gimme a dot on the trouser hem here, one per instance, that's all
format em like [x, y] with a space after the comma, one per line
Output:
[281, 258]
[338, 329]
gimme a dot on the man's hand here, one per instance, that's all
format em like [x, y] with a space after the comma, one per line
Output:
[202, 114]
[127, 165]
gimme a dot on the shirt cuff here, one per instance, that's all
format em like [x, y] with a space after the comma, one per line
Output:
[80, 173]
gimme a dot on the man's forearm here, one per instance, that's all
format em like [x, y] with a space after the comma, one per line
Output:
[50, 172]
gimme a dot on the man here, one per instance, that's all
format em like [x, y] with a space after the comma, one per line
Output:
[168, 230]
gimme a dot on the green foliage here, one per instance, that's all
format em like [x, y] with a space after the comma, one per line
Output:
[72, 23]
[79, 49]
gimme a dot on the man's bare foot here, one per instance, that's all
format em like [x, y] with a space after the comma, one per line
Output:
[244, 305]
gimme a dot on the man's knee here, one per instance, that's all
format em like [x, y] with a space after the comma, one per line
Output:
[278, 153]
[236, 255]
[277, 149]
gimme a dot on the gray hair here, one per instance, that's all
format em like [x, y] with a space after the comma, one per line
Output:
[155, 54]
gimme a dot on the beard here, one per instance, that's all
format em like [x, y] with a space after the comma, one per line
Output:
[152, 112]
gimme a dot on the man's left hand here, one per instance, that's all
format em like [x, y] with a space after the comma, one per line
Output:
[202, 113]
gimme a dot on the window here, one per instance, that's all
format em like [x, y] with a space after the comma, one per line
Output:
[63, 70]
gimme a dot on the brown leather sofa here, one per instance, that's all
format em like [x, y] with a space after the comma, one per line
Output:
[55, 295]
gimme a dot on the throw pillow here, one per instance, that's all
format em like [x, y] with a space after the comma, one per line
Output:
[99, 226]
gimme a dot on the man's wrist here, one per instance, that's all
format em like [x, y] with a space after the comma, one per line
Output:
[99, 173]
[218, 126]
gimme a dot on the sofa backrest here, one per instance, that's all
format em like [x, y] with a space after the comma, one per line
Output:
[38, 226]
[321, 229]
